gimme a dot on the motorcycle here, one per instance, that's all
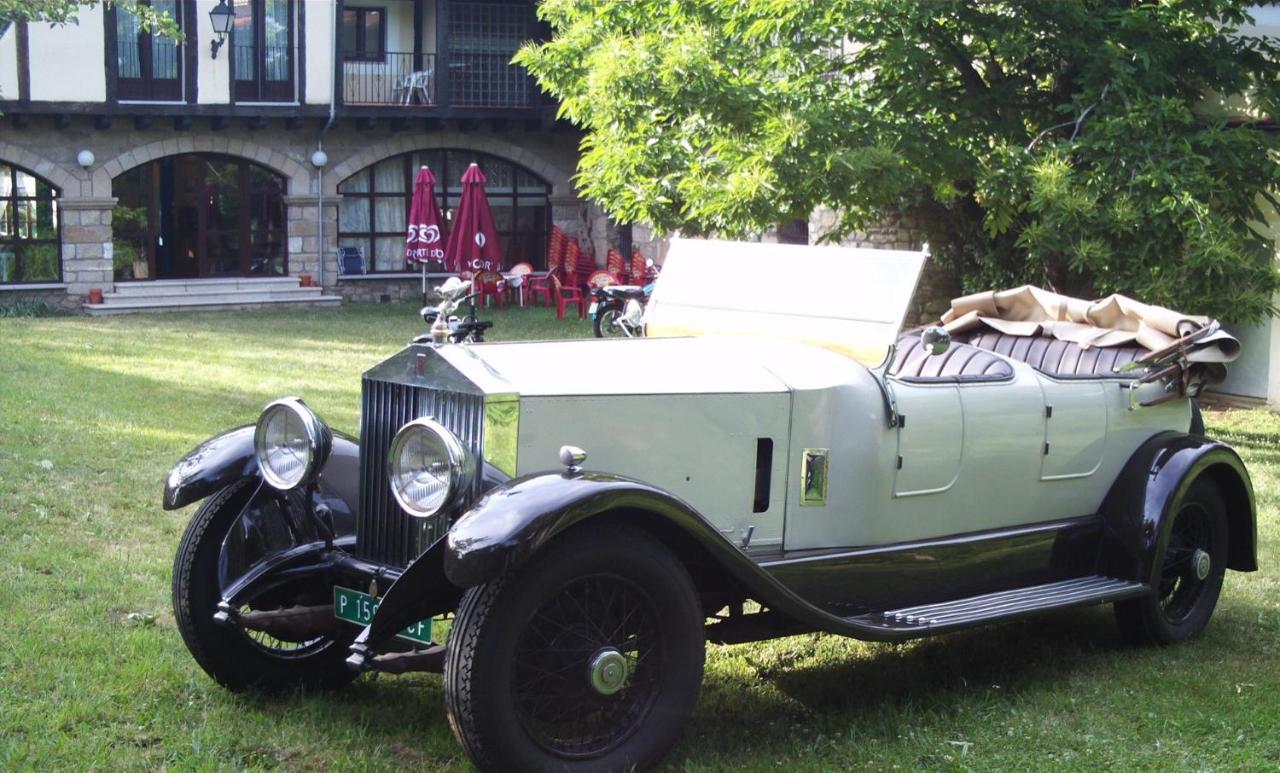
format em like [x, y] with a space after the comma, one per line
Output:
[445, 324]
[617, 311]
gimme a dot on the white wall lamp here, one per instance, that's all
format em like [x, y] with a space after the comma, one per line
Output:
[222, 17]
[319, 159]
[85, 158]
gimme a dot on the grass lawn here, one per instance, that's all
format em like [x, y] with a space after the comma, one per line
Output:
[93, 673]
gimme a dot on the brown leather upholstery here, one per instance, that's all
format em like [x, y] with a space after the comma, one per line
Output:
[1061, 359]
[961, 362]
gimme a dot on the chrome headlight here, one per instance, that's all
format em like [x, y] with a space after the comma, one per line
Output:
[291, 443]
[427, 467]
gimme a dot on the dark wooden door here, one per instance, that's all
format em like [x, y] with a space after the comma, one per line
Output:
[262, 59]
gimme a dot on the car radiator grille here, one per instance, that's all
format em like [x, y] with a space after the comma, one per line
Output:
[385, 533]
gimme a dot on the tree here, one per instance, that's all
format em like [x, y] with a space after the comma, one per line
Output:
[64, 12]
[1079, 144]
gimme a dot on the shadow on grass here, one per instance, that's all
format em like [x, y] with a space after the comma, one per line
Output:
[740, 718]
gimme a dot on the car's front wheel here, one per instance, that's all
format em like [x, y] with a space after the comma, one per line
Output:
[236, 657]
[1191, 573]
[588, 658]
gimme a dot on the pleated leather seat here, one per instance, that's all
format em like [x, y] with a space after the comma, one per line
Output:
[1061, 359]
[960, 363]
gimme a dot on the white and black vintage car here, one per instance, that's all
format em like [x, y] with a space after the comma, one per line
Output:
[771, 460]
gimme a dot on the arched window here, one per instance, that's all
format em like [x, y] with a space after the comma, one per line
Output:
[30, 250]
[375, 203]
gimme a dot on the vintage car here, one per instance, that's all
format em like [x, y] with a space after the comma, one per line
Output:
[776, 457]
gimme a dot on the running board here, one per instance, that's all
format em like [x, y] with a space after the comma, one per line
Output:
[961, 613]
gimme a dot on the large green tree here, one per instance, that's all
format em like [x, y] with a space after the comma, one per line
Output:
[1078, 144]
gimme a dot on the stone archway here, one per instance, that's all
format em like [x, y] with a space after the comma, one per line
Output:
[67, 183]
[299, 176]
[561, 185]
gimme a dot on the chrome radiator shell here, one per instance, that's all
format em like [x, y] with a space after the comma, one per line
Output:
[417, 382]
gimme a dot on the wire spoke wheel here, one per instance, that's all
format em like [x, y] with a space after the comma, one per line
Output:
[586, 668]
[1186, 562]
[609, 323]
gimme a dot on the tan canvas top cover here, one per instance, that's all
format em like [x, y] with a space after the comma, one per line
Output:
[846, 299]
[1111, 321]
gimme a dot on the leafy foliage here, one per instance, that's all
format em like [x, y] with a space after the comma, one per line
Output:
[1081, 144]
[65, 12]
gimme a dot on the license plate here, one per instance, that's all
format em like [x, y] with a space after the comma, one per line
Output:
[591, 310]
[359, 608]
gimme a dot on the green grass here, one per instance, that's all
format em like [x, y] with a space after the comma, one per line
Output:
[94, 675]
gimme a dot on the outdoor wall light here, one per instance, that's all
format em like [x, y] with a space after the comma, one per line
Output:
[319, 159]
[222, 16]
[85, 158]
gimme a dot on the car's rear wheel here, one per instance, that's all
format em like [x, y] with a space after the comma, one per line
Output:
[1191, 573]
[239, 658]
[589, 658]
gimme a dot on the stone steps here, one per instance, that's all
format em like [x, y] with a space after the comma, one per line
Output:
[209, 294]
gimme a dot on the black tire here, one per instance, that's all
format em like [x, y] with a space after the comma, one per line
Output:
[1183, 601]
[239, 659]
[606, 322]
[532, 628]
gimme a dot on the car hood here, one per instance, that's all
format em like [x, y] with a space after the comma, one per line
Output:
[656, 366]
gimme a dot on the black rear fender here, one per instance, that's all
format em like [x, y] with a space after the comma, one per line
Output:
[1140, 506]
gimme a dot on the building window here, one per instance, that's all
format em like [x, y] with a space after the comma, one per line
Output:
[364, 34]
[375, 204]
[30, 250]
[149, 67]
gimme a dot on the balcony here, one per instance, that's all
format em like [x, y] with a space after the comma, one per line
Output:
[469, 80]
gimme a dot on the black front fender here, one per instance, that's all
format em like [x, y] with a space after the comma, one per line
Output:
[1140, 506]
[512, 522]
[224, 459]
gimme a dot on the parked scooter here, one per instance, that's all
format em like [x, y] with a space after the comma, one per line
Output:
[445, 324]
[617, 311]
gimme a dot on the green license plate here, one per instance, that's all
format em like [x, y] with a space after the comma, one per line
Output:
[356, 607]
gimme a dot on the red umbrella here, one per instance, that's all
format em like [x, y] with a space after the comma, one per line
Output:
[423, 243]
[473, 241]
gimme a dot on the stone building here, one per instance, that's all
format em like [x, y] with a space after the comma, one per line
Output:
[218, 170]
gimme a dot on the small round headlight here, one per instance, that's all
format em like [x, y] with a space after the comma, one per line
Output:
[427, 467]
[291, 443]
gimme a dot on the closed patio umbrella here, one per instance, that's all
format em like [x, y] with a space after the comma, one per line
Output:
[424, 243]
[473, 241]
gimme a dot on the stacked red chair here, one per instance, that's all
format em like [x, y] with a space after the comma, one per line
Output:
[616, 265]
[638, 268]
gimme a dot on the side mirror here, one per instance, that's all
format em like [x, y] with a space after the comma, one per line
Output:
[935, 340]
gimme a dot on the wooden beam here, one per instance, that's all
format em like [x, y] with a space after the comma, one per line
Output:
[23, 44]
[366, 123]
[430, 125]
[181, 122]
[217, 123]
[61, 121]
[20, 121]
[499, 124]
[102, 122]
[398, 123]
[255, 123]
[292, 123]
[142, 122]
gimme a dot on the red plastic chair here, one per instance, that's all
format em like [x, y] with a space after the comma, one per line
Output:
[540, 286]
[567, 296]
[489, 284]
